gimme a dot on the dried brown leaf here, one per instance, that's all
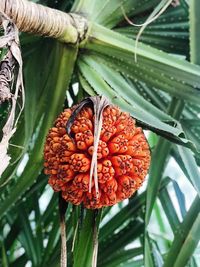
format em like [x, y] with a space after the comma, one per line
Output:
[8, 91]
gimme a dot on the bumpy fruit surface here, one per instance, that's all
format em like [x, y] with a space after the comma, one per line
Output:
[123, 157]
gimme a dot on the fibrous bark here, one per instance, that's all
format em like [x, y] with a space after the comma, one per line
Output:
[34, 18]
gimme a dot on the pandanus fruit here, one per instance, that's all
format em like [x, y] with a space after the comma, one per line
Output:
[95, 154]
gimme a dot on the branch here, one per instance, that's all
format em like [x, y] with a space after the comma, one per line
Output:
[34, 18]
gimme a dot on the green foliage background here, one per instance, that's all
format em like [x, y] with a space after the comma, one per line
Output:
[161, 90]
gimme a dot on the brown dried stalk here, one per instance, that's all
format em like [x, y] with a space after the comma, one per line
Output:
[99, 103]
[62, 210]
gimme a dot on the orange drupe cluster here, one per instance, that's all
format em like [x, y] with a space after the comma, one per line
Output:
[123, 157]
